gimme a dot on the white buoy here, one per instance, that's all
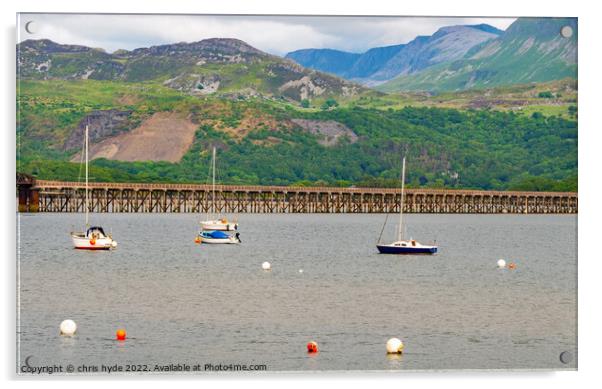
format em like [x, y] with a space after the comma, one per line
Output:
[68, 327]
[300, 270]
[501, 263]
[394, 346]
[266, 266]
[113, 244]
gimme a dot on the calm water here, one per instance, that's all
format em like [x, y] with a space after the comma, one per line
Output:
[187, 303]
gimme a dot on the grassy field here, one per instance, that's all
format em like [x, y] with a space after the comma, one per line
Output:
[523, 98]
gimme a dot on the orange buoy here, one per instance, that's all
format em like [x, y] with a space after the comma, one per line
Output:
[512, 266]
[312, 347]
[197, 240]
[92, 242]
[120, 334]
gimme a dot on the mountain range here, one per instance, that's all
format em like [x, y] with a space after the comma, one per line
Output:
[224, 66]
[530, 50]
[459, 57]
[383, 63]
[154, 113]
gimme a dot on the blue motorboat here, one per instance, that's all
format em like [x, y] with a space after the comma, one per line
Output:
[218, 237]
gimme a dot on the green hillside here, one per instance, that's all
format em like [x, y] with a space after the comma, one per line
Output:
[260, 140]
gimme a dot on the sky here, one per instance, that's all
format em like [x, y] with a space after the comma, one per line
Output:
[273, 34]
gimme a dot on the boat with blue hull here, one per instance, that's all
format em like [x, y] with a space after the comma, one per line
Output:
[405, 248]
[401, 246]
[217, 237]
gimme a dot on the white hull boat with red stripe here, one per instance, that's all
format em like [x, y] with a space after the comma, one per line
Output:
[94, 238]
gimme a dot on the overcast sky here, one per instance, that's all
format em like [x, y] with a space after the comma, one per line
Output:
[274, 34]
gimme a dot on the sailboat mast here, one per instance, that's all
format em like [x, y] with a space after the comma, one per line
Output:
[213, 186]
[86, 156]
[403, 179]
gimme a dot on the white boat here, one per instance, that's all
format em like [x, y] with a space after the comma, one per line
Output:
[217, 237]
[215, 222]
[92, 238]
[219, 225]
[401, 246]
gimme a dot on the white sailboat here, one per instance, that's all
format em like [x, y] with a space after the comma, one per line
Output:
[214, 222]
[401, 246]
[92, 238]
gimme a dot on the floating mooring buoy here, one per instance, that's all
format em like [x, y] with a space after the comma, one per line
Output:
[68, 327]
[197, 240]
[266, 266]
[312, 347]
[394, 346]
[501, 263]
[512, 266]
[120, 334]
[300, 270]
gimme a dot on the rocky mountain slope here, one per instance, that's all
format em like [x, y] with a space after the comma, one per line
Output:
[384, 63]
[210, 66]
[530, 50]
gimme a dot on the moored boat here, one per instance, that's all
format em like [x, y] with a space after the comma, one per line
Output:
[401, 246]
[93, 238]
[218, 237]
[219, 225]
[215, 222]
[406, 247]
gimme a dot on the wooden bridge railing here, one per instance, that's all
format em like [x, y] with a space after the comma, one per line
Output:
[39, 184]
[59, 196]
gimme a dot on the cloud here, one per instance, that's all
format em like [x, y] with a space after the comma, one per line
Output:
[274, 34]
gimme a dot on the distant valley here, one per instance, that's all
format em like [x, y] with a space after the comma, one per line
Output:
[459, 58]
[380, 64]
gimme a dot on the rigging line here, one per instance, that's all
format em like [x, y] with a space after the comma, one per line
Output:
[218, 182]
[208, 182]
[81, 161]
[383, 229]
[213, 187]
[403, 178]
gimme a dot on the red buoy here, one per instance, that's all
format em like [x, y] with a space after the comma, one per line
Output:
[120, 334]
[197, 240]
[92, 241]
[312, 347]
[512, 266]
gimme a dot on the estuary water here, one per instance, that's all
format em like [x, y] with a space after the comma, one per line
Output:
[183, 303]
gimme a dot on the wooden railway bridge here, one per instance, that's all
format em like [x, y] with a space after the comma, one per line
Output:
[57, 196]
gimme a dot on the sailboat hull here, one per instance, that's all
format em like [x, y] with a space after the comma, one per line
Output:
[81, 242]
[408, 250]
[230, 240]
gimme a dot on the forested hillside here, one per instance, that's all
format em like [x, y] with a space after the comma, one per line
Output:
[262, 141]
